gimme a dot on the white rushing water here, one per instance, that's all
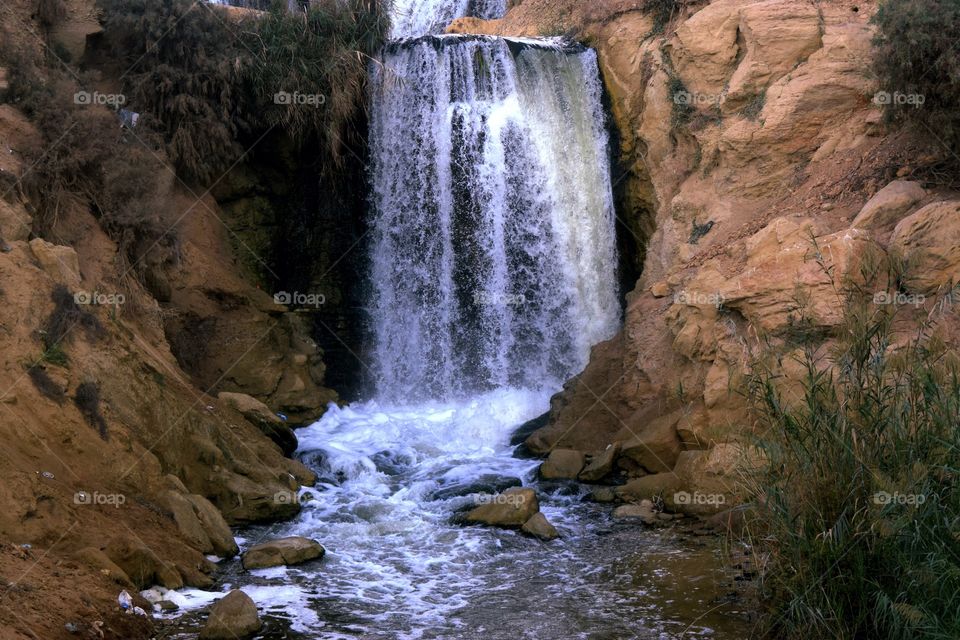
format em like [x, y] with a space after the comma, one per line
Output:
[494, 258]
[493, 272]
[412, 18]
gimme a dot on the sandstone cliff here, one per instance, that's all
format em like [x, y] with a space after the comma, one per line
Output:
[757, 175]
[121, 466]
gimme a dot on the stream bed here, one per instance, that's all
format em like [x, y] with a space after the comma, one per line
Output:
[397, 567]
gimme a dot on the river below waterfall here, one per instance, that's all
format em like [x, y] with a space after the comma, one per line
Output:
[492, 273]
[397, 567]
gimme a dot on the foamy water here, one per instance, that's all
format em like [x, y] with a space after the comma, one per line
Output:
[397, 568]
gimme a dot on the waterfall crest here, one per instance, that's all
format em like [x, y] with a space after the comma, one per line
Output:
[493, 237]
[412, 18]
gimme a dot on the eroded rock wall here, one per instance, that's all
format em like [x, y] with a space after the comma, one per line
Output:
[750, 141]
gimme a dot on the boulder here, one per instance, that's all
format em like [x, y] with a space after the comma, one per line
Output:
[285, 551]
[539, 527]
[562, 464]
[244, 501]
[693, 429]
[658, 486]
[141, 564]
[654, 447]
[777, 35]
[214, 525]
[98, 560]
[512, 509]
[603, 495]
[889, 205]
[600, 464]
[59, 262]
[233, 617]
[187, 521]
[711, 479]
[660, 290]
[643, 511]
[263, 418]
[930, 241]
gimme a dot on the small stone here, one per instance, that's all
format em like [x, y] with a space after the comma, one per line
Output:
[644, 513]
[539, 527]
[511, 509]
[232, 618]
[285, 551]
[603, 495]
[562, 464]
[167, 606]
[660, 290]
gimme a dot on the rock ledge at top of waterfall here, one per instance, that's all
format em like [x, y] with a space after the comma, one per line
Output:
[515, 43]
[411, 18]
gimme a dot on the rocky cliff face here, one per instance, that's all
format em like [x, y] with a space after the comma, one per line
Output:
[750, 144]
[132, 445]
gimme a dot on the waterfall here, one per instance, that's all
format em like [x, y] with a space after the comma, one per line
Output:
[413, 18]
[493, 238]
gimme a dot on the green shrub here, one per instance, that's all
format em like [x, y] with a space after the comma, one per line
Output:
[45, 384]
[860, 511]
[87, 399]
[916, 55]
[51, 12]
[183, 63]
[309, 70]
[65, 318]
[663, 11]
[212, 82]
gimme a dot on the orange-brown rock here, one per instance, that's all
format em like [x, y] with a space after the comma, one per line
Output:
[929, 240]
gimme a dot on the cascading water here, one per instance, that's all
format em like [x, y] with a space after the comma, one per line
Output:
[492, 274]
[494, 260]
[412, 18]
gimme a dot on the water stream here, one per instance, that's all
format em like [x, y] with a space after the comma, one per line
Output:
[492, 273]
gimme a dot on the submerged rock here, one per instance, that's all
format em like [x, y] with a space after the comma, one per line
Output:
[489, 483]
[539, 527]
[511, 509]
[232, 618]
[562, 464]
[285, 551]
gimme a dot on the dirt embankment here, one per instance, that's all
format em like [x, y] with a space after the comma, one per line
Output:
[120, 466]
